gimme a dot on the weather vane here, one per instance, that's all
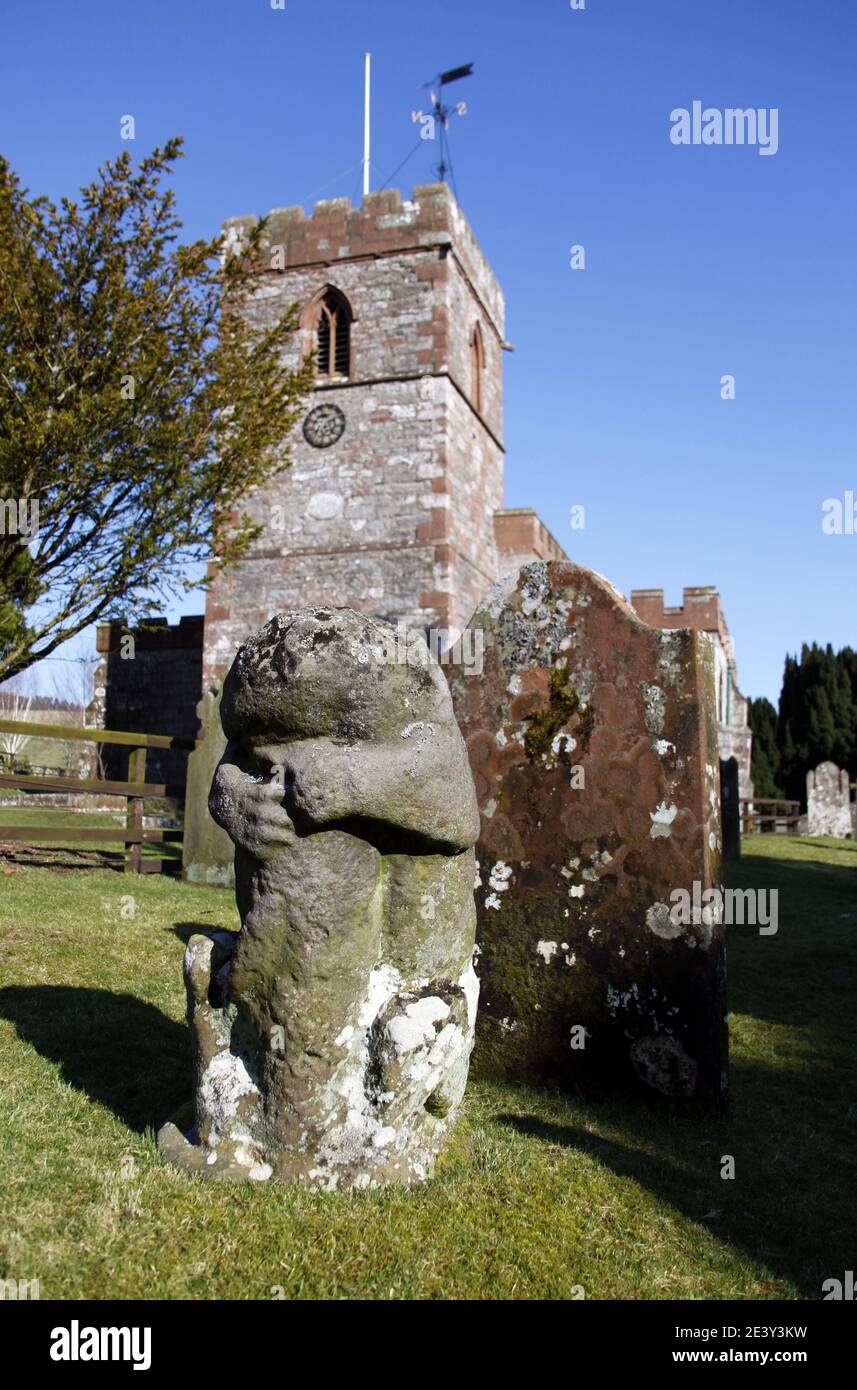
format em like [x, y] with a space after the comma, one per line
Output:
[441, 115]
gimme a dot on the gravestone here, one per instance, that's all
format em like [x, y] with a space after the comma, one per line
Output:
[828, 802]
[207, 851]
[593, 743]
[730, 808]
[332, 1034]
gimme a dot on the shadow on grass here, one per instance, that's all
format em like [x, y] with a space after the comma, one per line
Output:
[115, 1048]
[793, 1091]
[790, 1203]
[806, 974]
[28, 856]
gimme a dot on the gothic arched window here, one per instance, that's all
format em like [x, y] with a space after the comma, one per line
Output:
[329, 321]
[477, 367]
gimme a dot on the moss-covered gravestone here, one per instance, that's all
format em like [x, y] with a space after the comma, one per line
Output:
[593, 744]
[332, 1034]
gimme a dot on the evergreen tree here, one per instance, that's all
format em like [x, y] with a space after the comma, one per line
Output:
[817, 718]
[765, 770]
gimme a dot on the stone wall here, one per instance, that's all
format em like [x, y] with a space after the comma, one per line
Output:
[700, 610]
[153, 688]
[522, 537]
[397, 517]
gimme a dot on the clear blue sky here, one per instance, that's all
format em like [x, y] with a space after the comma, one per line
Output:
[701, 261]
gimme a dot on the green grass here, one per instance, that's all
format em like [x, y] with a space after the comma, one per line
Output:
[539, 1192]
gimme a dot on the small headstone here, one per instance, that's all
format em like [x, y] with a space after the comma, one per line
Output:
[828, 802]
[730, 808]
[593, 744]
[332, 1035]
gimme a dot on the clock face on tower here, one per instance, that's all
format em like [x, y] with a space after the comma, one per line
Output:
[323, 426]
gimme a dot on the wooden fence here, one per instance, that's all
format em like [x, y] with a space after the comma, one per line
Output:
[135, 791]
[783, 817]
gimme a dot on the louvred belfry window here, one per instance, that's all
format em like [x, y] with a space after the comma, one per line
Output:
[333, 335]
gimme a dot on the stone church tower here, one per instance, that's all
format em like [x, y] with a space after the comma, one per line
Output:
[393, 503]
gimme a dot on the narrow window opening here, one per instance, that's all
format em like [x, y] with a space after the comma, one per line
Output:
[330, 323]
[477, 368]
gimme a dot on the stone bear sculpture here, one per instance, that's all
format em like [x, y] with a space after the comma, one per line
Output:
[332, 1034]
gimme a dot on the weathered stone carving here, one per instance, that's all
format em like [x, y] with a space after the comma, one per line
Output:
[828, 803]
[332, 1035]
[593, 743]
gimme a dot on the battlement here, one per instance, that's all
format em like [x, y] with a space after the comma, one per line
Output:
[700, 609]
[522, 537]
[152, 634]
[384, 224]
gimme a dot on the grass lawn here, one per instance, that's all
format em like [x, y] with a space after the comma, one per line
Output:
[540, 1191]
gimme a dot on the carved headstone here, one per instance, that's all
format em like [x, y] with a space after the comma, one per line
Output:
[332, 1035]
[593, 744]
[828, 802]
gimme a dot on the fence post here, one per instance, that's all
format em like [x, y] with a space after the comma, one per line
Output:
[134, 809]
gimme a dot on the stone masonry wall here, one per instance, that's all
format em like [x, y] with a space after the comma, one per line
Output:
[154, 691]
[396, 518]
[700, 610]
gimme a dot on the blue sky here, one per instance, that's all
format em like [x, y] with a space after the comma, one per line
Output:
[700, 260]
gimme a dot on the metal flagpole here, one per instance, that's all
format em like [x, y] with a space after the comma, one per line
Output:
[366, 89]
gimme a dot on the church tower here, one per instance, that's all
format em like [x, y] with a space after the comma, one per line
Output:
[397, 468]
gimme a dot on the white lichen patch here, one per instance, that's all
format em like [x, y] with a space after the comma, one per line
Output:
[498, 879]
[659, 921]
[224, 1082]
[662, 819]
[576, 890]
[416, 1025]
[563, 743]
[547, 950]
[654, 706]
[489, 808]
[383, 984]
[662, 747]
[468, 983]
[669, 657]
[420, 727]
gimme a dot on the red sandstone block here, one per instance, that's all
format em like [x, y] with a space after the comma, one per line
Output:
[593, 744]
